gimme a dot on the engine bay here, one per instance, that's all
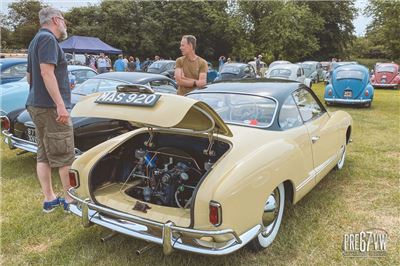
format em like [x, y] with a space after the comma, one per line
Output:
[162, 169]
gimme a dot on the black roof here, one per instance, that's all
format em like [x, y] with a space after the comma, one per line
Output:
[132, 77]
[276, 88]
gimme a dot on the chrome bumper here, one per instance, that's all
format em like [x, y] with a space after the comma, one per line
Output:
[386, 85]
[166, 234]
[347, 101]
[13, 142]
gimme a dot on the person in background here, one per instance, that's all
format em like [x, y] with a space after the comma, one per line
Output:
[126, 63]
[191, 69]
[119, 64]
[108, 60]
[156, 58]
[221, 61]
[48, 100]
[102, 64]
[131, 64]
[137, 64]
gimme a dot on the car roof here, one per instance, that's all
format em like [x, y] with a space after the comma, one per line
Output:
[351, 67]
[132, 77]
[285, 66]
[236, 64]
[275, 88]
[13, 59]
[164, 61]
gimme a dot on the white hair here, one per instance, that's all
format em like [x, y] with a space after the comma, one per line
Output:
[45, 14]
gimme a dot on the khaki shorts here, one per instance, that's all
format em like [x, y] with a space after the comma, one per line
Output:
[55, 140]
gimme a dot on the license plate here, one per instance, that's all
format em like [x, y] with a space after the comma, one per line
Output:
[121, 98]
[348, 93]
[30, 132]
[383, 81]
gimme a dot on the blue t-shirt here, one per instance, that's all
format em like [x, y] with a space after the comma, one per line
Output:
[119, 65]
[44, 49]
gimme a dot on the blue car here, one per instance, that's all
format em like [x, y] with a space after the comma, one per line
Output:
[13, 95]
[12, 69]
[349, 84]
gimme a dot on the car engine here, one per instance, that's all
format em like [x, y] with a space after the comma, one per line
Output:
[167, 177]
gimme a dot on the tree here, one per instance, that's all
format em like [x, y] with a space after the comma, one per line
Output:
[336, 32]
[384, 29]
[23, 19]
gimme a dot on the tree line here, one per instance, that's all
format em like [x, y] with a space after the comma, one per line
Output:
[290, 30]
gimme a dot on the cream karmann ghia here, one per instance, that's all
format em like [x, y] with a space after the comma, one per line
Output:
[210, 172]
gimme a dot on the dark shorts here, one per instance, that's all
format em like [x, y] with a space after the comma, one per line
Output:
[55, 140]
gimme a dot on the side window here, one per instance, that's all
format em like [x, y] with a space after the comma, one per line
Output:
[15, 71]
[308, 106]
[289, 116]
[299, 72]
[88, 87]
[82, 75]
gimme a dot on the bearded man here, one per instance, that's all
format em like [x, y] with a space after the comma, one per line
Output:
[48, 100]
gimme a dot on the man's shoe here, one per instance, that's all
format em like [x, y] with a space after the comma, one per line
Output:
[49, 206]
[66, 205]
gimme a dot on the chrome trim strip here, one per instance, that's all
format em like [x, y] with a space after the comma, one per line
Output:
[171, 236]
[318, 169]
[385, 85]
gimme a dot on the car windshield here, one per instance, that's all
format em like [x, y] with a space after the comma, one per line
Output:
[240, 109]
[280, 72]
[349, 74]
[227, 69]
[385, 69]
[308, 69]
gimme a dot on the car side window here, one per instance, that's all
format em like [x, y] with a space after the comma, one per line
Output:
[289, 116]
[308, 106]
[15, 71]
[88, 87]
[82, 75]
[162, 86]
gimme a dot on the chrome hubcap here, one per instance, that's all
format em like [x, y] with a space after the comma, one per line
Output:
[271, 211]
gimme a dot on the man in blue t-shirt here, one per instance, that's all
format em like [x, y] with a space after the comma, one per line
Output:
[119, 64]
[47, 103]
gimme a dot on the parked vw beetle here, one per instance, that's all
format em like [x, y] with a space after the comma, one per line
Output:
[12, 69]
[206, 173]
[290, 72]
[386, 75]
[231, 71]
[349, 85]
[313, 70]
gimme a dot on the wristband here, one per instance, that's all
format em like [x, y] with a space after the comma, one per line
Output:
[194, 84]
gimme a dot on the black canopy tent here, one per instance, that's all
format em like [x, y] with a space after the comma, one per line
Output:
[82, 44]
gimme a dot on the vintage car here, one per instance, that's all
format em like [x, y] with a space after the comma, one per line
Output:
[13, 95]
[290, 72]
[210, 172]
[313, 70]
[386, 75]
[278, 62]
[88, 131]
[163, 67]
[231, 71]
[12, 69]
[349, 84]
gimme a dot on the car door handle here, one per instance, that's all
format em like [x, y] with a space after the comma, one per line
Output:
[315, 139]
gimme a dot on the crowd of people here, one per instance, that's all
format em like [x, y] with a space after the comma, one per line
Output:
[102, 63]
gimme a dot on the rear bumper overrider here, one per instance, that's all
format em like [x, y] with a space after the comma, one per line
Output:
[166, 234]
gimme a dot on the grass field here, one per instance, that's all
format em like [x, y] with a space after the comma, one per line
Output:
[365, 194]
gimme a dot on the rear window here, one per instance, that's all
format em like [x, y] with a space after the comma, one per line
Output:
[280, 73]
[385, 69]
[240, 109]
[227, 69]
[156, 65]
[349, 74]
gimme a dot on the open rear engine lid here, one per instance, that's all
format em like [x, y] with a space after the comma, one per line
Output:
[144, 108]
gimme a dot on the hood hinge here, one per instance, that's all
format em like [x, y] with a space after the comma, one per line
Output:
[209, 151]
[149, 143]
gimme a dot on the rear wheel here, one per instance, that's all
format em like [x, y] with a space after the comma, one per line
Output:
[271, 219]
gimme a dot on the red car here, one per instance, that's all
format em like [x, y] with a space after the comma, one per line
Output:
[386, 75]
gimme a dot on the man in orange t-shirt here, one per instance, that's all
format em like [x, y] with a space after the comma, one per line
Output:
[190, 69]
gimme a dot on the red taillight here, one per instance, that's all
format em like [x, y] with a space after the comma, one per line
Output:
[73, 178]
[330, 92]
[366, 93]
[215, 213]
[5, 123]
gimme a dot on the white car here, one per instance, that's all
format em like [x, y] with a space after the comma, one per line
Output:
[289, 71]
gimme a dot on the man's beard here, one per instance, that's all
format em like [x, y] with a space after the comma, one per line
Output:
[63, 33]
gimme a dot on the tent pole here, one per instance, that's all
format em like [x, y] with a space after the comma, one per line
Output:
[73, 56]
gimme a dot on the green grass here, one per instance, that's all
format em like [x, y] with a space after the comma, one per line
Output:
[363, 195]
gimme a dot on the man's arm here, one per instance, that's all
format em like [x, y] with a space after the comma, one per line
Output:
[50, 81]
[183, 81]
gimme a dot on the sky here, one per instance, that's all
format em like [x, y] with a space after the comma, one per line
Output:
[360, 23]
